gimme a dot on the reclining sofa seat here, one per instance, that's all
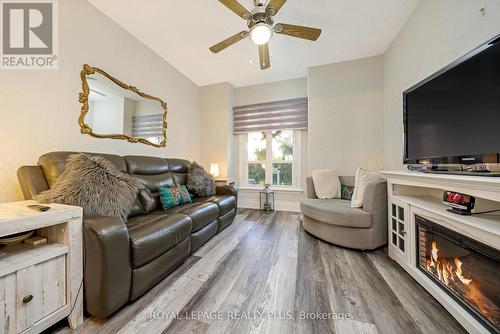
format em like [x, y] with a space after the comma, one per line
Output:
[123, 260]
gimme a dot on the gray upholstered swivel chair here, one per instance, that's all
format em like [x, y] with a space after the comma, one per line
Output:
[334, 220]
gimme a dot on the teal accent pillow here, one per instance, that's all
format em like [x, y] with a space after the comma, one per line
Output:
[346, 192]
[174, 196]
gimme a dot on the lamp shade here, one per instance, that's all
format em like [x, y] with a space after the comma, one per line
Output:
[214, 169]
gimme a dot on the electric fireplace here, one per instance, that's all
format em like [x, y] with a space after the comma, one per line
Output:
[467, 270]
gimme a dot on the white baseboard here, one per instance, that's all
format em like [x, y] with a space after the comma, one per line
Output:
[284, 200]
[280, 205]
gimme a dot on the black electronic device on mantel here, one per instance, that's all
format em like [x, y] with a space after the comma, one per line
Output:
[460, 203]
[452, 118]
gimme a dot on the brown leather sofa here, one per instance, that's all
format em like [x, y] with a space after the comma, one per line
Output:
[124, 260]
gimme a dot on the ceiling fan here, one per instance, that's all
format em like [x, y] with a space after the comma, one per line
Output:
[260, 22]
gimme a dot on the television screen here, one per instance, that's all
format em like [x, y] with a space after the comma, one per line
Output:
[456, 113]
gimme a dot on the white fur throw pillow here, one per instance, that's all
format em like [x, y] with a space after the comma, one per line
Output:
[96, 185]
[326, 183]
[363, 178]
[199, 181]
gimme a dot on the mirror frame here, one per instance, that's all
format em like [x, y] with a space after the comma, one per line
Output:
[84, 100]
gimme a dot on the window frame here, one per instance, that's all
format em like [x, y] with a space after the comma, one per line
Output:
[296, 161]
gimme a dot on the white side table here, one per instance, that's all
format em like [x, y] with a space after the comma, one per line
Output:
[222, 182]
[40, 285]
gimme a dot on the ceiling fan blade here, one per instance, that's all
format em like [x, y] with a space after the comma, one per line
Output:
[275, 5]
[228, 42]
[311, 34]
[237, 8]
[265, 62]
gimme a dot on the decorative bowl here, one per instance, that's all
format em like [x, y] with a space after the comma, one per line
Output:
[15, 239]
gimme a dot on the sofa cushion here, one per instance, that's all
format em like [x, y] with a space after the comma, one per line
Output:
[54, 163]
[144, 203]
[225, 202]
[201, 214]
[142, 165]
[335, 212]
[178, 165]
[154, 234]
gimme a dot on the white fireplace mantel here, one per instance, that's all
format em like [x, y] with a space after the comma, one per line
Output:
[418, 194]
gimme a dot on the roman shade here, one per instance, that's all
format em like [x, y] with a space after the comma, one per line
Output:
[147, 126]
[286, 114]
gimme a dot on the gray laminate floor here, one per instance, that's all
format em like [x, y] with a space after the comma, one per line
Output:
[264, 274]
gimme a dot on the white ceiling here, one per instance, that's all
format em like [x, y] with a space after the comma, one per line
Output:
[182, 31]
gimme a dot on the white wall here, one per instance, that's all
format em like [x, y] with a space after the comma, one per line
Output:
[346, 115]
[439, 32]
[129, 108]
[270, 92]
[217, 128]
[108, 115]
[147, 107]
[39, 108]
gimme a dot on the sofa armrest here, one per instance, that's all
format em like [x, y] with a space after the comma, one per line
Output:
[32, 181]
[310, 192]
[226, 190]
[375, 202]
[107, 268]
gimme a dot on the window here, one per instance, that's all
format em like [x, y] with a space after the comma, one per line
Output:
[149, 127]
[270, 157]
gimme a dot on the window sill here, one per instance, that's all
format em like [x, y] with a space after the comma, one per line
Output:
[275, 189]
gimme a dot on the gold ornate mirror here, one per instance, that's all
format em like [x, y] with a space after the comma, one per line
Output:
[113, 109]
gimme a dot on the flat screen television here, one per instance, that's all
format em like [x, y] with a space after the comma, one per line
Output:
[453, 117]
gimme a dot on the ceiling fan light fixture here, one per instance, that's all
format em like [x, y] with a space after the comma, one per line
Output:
[261, 33]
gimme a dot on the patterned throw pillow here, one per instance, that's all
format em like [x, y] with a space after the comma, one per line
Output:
[346, 192]
[174, 196]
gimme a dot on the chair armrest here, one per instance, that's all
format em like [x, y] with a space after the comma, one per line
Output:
[375, 202]
[107, 269]
[310, 192]
[32, 181]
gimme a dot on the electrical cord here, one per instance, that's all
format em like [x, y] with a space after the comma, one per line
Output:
[483, 212]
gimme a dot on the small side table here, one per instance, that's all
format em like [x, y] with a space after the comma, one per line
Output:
[225, 182]
[266, 201]
[41, 284]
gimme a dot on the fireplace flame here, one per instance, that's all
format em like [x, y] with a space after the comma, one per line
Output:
[450, 274]
[434, 251]
[458, 272]
[445, 270]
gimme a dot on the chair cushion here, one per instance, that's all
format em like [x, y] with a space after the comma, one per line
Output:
[335, 212]
[201, 214]
[225, 202]
[154, 234]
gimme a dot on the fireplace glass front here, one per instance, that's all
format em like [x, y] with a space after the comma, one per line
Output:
[467, 270]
